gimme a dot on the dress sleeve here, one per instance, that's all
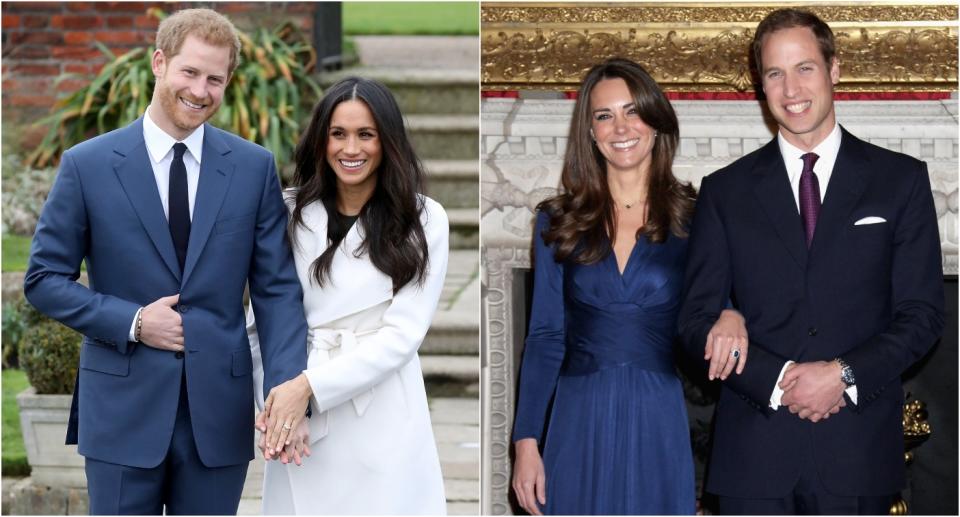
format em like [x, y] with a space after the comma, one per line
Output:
[405, 323]
[544, 347]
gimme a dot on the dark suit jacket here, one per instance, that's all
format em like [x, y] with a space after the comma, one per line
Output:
[104, 208]
[871, 294]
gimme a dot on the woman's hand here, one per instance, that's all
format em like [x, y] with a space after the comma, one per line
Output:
[728, 334]
[298, 448]
[282, 412]
[529, 481]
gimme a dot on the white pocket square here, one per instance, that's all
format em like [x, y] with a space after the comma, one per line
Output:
[870, 220]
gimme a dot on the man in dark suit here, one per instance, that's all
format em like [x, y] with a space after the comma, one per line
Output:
[173, 217]
[829, 248]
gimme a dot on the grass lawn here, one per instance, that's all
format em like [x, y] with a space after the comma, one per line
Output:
[406, 18]
[16, 248]
[14, 456]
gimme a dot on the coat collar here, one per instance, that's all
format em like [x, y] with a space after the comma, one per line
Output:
[354, 283]
[132, 166]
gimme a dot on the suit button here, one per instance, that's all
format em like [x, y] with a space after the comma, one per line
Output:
[182, 308]
[812, 331]
[178, 355]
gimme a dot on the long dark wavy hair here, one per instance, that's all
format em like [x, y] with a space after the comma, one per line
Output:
[583, 216]
[393, 235]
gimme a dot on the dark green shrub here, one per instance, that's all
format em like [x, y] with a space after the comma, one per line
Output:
[50, 355]
[18, 316]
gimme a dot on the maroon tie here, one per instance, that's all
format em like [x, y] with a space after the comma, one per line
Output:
[809, 196]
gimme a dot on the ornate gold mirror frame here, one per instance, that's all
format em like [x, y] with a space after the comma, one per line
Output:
[703, 46]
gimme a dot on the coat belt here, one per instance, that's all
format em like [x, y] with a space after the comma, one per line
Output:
[328, 343]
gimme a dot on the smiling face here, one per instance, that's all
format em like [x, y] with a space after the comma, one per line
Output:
[190, 86]
[798, 84]
[353, 147]
[622, 137]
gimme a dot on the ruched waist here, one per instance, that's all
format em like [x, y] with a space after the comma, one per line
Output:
[597, 339]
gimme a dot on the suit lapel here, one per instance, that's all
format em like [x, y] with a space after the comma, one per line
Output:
[772, 188]
[132, 167]
[215, 173]
[847, 184]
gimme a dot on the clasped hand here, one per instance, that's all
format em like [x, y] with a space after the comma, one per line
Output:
[728, 334]
[283, 423]
[813, 390]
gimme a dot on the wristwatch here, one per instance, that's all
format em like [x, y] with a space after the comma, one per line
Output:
[846, 373]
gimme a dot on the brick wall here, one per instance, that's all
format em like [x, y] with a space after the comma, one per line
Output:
[42, 40]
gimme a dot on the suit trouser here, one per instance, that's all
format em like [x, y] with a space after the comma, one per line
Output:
[181, 482]
[809, 497]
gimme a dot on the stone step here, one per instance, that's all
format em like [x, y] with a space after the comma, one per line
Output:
[453, 183]
[421, 90]
[420, 52]
[464, 228]
[462, 368]
[444, 137]
[452, 333]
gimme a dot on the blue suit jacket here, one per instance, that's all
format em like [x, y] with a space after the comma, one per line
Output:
[104, 208]
[872, 294]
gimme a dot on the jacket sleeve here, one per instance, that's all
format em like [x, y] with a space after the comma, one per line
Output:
[58, 248]
[917, 298]
[405, 323]
[707, 288]
[275, 291]
[543, 350]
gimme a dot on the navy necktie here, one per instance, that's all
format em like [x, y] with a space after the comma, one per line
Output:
[809, 196]
[179, 204]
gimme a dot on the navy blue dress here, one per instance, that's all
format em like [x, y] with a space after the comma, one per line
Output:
[601, 345]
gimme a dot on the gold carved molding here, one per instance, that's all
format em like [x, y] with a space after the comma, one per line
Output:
[704, 46]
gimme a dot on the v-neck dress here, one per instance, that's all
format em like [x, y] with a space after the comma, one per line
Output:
[600, 346]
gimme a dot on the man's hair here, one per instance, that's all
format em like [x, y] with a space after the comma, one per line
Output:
[206, 24]
[787, 19]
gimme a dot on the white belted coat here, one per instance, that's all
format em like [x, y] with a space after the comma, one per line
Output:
[372, 444]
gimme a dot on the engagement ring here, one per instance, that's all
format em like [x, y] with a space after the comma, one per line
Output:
[735, 353]
[287, 427]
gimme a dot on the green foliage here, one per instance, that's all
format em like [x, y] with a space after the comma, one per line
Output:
[18, 316]
[270, 93]
[14, 455]
[49, 354]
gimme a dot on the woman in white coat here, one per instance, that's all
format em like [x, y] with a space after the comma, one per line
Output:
[371, 253]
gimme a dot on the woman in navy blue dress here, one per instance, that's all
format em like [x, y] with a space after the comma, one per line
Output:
[604, 315]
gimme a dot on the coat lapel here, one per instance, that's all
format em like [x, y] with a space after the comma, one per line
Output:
[132, 167]
[772, 188]
[215, 173]
[847, 183]
[355, 283]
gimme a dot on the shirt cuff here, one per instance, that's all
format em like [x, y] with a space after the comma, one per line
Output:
[852, 393]
[132, 336]
[777, 392]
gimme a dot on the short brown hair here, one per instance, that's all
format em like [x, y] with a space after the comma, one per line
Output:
[787, 19]
[208, 25]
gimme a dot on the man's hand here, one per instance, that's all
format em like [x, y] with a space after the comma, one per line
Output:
[285, 406]
[160, 326]
[813, 390]
[298, 449]
[529, 480]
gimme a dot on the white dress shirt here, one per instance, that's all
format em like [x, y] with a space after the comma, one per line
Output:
[160, 151]
[827, 151]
